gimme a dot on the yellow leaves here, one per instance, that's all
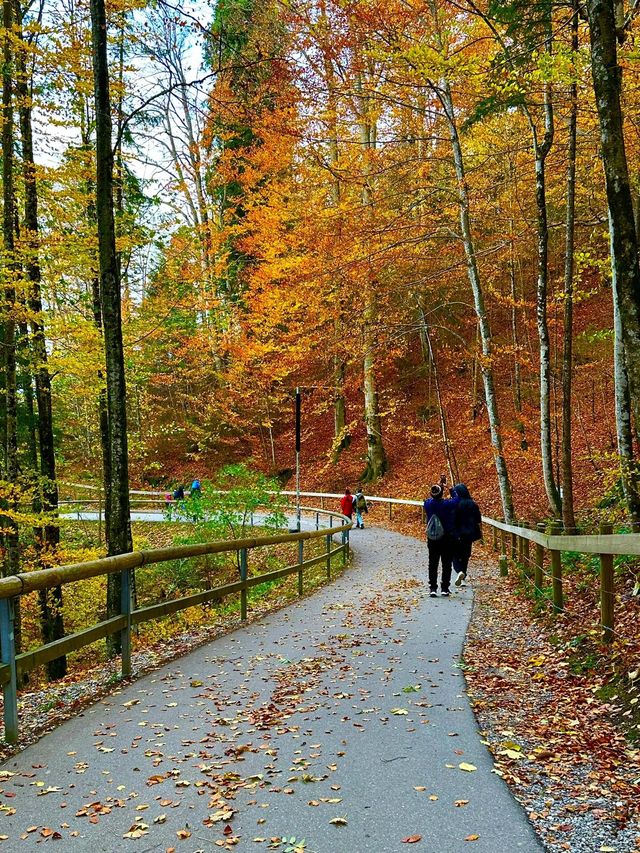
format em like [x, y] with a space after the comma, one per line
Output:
[399, 712]
[338, 821]
[469, 768]
[137, 830]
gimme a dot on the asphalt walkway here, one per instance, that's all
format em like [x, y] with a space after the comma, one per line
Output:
[341, 721]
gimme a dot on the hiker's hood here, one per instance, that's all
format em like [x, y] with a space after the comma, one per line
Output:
[462, 491]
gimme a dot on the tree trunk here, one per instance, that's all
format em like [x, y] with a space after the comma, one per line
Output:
[429, 357]
[568, 516]
[607, 78]
[342, 439]
[504, 484]
[12, 556]
[376, 465]
[541, 149]
[52, 624]
[624, 431]
[118, 528]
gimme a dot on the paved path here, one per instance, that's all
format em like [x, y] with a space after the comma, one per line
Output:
[348, 705]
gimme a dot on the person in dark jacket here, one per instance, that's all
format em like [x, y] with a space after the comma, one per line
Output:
[467, 530]
[440, 537]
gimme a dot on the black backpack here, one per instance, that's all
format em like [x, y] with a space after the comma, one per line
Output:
[435, 530]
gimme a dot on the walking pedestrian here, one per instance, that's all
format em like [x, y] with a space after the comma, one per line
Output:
[360, 506]
[178, 494]
[196, 488]
[346, 504]
[440, 513]
[467, 530]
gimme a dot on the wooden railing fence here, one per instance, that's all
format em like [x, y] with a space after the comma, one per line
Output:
[13, 666]
[537, 552]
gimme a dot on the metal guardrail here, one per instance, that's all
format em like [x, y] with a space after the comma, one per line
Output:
[12, 666]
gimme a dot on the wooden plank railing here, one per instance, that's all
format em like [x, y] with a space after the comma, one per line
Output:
[13, 666]
[529, 547]
[548, 538]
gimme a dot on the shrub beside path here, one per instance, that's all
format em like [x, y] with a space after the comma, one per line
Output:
[342, 721]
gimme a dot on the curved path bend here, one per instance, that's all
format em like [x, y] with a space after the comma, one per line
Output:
[342, 721]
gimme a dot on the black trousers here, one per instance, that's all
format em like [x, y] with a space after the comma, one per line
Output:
[440, 550]
[461, 555]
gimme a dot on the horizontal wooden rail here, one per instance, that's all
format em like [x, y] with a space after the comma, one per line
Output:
[627, 544]
[12, 666]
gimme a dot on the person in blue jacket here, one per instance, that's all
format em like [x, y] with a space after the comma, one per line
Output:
[440, 514]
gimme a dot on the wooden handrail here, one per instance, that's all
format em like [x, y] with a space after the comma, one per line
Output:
[594, 543]
[26, 582]
[11, 588]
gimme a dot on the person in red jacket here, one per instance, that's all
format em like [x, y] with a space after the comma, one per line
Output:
[346, 504]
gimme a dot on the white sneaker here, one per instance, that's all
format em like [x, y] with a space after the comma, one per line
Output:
[460, 579]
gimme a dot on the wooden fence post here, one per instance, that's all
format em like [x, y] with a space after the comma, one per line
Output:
[10, 689]
[607, 590]
[538, 578]
[514, 547]
[556, 570]
[125, 607]
[300, 568]
[244, 572]
[503, 565]
[526, 552]
[521, 544]
[328, 556]
[503, 542]
[390, 510]
[321, 502]
[495, 538]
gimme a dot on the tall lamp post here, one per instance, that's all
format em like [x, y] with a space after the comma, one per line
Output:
[298, 458]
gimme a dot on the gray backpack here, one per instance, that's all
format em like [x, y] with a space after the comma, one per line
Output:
[435, 530]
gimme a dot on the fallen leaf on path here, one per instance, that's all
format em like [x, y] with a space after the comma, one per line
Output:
[468, 767]
[412, 839]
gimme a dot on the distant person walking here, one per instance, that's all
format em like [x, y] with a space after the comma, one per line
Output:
[178, 494]
[467, 530]
[360, 507]
[346, 504]
[196, 489]
[440, 512]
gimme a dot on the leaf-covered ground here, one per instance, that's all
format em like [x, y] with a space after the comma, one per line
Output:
[539, 685]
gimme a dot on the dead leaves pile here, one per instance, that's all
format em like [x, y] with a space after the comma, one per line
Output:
[546, 726]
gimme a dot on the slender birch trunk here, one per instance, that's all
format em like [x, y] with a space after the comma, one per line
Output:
[376, 457]
[341, 438]
[429, 357]
[504, 484]
[541, 149]
[568, 515]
